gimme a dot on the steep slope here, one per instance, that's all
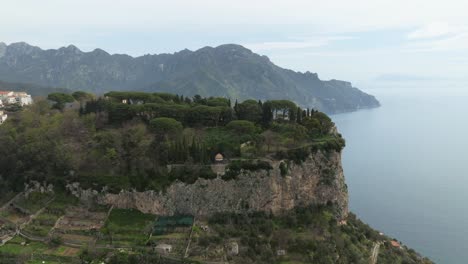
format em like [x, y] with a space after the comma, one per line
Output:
[227, 70]
[266, 191]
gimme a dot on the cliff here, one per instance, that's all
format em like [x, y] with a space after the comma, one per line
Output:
[319, 180]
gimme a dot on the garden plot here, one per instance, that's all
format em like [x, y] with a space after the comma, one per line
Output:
[174, 231]
[42, 224]
[127, 227]
[80, 225]
[81, 219]
[63, 251]
[35, 252]
[14, 216]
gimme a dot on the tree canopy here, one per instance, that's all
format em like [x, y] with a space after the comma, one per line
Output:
[60, 99]
[165, 126]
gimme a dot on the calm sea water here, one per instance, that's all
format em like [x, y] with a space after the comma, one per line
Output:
[406, 166]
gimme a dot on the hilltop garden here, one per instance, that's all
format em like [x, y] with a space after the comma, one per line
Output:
[129, 141]
[126, 139]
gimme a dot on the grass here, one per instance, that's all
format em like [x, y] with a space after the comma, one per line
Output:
[170, 236]
[129, 219]
[14, 247]
[42, 224]
[13, 216]
[34, 202]
[128, 225]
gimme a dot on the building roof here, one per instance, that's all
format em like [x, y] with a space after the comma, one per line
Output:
[395, 243]
[219, 157]
[5, 92]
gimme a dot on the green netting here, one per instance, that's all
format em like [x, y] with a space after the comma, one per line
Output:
[167, 223]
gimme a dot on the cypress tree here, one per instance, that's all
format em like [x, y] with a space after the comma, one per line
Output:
[292, 115]
[299, 115]
[236, 105]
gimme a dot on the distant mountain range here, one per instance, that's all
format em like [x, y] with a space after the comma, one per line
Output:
[228, 70]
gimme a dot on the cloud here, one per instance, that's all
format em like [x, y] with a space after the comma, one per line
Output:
[438, 36]
[451, 43]
[291, 45]
[401, 77]
[432, 30]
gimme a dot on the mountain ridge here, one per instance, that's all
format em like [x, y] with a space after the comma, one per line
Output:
[228, 70]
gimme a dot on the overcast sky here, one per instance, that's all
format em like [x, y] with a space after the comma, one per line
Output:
[371, 43]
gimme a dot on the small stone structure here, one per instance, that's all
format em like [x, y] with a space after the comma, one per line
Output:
[163, 249]
[233, 248]
[280, 252]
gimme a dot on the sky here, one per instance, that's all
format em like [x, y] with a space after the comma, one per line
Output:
[371, 43]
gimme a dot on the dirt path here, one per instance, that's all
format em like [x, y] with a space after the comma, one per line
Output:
[375, 253]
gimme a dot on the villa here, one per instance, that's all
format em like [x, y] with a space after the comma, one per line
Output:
[10, 97]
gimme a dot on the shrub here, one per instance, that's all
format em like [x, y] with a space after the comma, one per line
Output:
[241, 127]
[283, 168]
[165, 126]
[236, 167]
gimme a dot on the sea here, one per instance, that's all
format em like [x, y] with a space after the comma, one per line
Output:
[406, 166]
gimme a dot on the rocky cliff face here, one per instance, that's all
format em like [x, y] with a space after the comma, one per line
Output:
[319, 180]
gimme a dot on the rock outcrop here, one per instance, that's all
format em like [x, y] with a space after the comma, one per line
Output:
[319, 180]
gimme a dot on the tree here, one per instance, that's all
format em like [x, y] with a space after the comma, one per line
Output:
[299, 115]
[249, 110]
[81, 96]
[313, 125]
[60, 100]
[271, 139]
[164, 126]
[285, 107]
[267, 114]
[241, 127]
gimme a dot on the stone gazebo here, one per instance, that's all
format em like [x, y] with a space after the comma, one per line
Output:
[219, 166]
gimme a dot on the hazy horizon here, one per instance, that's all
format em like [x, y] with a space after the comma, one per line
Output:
[369, 43]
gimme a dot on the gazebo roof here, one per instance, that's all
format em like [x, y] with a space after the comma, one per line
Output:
[219, 157]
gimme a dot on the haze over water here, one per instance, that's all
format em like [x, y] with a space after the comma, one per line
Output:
[406, 166]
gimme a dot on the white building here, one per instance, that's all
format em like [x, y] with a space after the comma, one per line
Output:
[5, 94]
[24, 99]
[9, 100]
[10, 97]
[3, 117]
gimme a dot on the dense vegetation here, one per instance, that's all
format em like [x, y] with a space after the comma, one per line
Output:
[307, 235]
[128, 139]
[149, 140]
